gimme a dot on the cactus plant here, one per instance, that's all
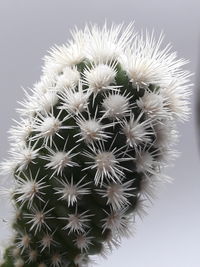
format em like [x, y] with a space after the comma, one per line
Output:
[93, 137]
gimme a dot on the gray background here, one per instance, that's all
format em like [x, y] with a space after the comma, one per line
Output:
[170, 235]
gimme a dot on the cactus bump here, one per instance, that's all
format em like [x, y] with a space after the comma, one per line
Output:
[88, 152]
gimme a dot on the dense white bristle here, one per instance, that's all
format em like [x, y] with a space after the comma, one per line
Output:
[21, 131]
[46, 126]
[83, 241]
[47, 83]
[106, 44]
[106, 164]
[116, 106]
[152, 105]
[117, 194]
[68, 79]
[29, 188]
[117, 222]
[135, 131]
[48, 241]
[92, 129]
[59, 160]
[77, 222]
[72, 191]
[23, 155]
[175, 100]
[93, 136]
[165, 132]
[100, 78]
[38, 218]
[74, 101]
[46, 101]
[146, 163]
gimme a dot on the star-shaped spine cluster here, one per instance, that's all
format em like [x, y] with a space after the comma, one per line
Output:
[93, 136]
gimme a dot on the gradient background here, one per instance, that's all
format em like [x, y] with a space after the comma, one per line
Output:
[170, 235]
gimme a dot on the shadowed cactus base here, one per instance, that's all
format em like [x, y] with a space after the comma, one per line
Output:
[94, 135]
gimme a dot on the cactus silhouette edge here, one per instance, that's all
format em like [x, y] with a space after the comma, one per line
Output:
[93, 137]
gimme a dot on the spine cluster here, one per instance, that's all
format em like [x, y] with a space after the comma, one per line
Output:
[93, 136]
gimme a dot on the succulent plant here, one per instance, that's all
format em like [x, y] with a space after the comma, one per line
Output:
[93, 136]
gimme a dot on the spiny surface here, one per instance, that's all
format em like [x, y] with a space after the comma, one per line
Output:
[87, 153]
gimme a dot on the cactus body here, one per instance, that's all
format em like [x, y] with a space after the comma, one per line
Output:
[94, 134]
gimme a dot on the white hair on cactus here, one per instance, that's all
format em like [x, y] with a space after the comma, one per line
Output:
[165, 155]
[7, 191]
[135, 130]
[47, 83]
[47, 241]
[145, 162]
[175, 100]
[92, 129]
[66, 55]
[100, 78]
[149, 185]
[23, 155]
[83, 241]
[145, 63]
[29, 105]
[151, 103]
[68, 79]
[38, 218]
[59, 160]
[74, 100]
[140, 208]
[27, 188]
[77, 222]
[38, 101]
[46, 126]
[52, 70]
[106, 44]
[41, 98]
[101, 123]
[8, 166]
[71, 191]
[46, 101]
[106, 163]
[116, 105]
[165, 132]
[21, 131]
[117, 194]
[117, 221]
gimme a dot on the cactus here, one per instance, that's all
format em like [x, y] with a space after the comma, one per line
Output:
[93, 137]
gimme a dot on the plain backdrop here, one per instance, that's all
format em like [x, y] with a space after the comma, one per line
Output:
[170, 235]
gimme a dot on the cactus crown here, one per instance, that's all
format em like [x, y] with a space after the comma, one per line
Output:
[94, 134]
